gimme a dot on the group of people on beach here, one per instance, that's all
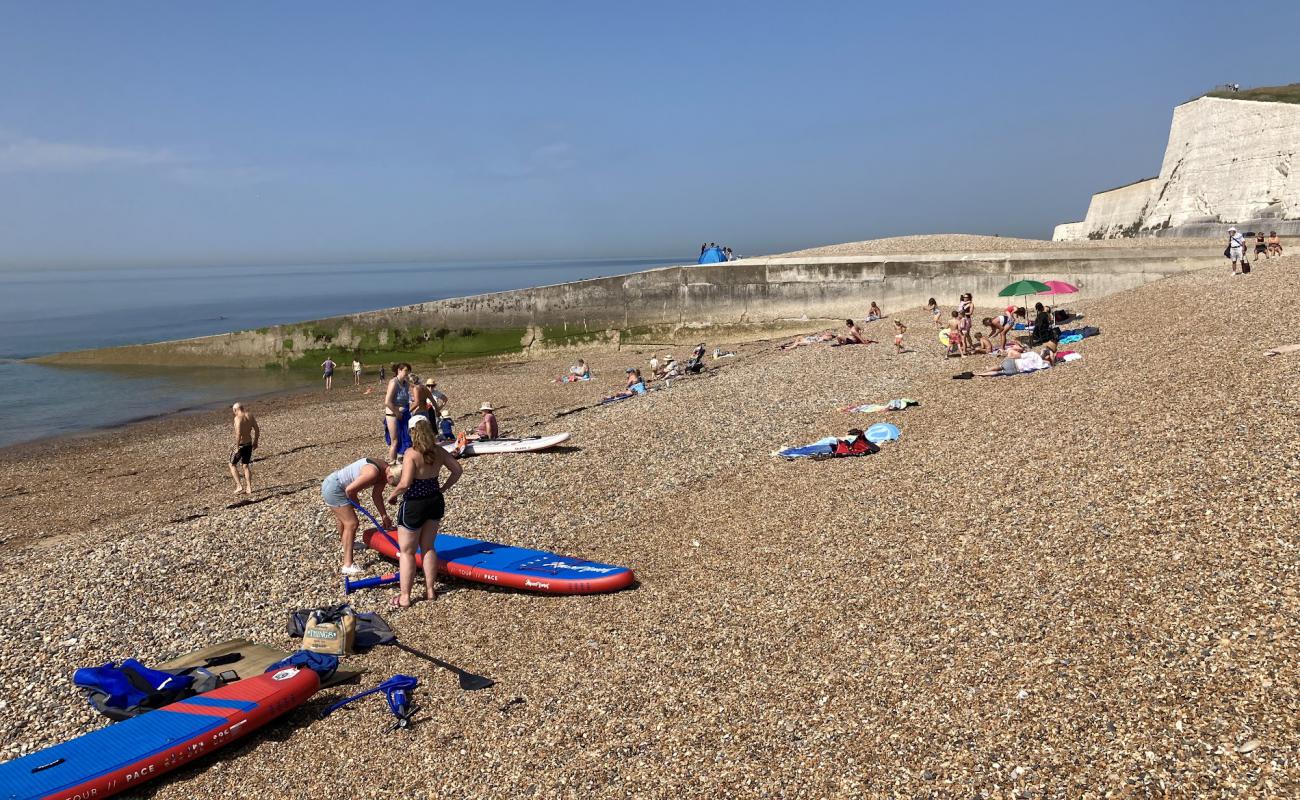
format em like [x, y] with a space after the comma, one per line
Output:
[419, 433]
[666, 370]
[852, 334]
[726, 251]
[1235, 252]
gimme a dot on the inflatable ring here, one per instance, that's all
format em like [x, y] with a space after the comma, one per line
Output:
[943, 338]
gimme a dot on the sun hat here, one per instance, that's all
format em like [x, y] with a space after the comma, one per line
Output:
[1232, 230]
[416, 420]
[430, 382]
[486, 407]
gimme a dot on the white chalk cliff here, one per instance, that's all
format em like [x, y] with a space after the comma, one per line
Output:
[1227, 161]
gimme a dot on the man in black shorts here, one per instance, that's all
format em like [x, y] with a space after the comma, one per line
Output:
[247, 434]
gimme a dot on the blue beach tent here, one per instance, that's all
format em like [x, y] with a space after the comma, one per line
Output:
[713, 255]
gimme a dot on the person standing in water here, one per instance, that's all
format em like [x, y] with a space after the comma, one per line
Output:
[247, 434]
[422, 508]
[356, 372]
[328, 366]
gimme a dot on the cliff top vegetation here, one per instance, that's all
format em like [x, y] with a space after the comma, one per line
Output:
[1289, 93]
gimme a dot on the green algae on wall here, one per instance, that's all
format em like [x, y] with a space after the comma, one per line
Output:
[402, 344]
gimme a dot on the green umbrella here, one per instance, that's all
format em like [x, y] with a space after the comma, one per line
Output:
[1024, 289]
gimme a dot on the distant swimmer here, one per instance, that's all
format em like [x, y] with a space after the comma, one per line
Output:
[247, 434]
[327, 366]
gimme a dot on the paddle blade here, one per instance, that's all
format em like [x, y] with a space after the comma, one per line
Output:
[472, 683]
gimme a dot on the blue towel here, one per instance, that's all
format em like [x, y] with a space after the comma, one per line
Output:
[403, 432]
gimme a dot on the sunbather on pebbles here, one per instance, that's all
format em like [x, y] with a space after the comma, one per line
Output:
[812, 338]
[1029, 362]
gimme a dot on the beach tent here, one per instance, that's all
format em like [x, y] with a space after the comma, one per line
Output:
[713, 255]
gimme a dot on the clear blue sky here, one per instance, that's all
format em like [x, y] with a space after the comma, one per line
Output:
[180, 132]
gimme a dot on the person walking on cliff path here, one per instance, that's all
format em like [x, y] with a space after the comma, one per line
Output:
[327, 366]
[1236, 250]
[247, 434]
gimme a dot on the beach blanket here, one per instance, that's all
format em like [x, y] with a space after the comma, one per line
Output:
[832, 447]
[1078, 334]
[882, 432]
[893, 405]
[403, 432]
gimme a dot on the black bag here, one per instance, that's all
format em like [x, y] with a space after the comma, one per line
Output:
[1227, 251]
[1245, 268]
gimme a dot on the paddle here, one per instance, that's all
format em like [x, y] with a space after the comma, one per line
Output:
[468, 680]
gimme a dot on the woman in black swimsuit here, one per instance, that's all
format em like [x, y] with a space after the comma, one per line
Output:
[422, 507]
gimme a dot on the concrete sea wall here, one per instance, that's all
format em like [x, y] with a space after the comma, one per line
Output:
[714, 302]
[1226, 162]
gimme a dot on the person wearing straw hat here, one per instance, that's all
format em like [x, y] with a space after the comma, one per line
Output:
[487, 427]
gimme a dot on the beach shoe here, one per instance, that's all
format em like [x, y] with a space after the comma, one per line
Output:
[350, 570]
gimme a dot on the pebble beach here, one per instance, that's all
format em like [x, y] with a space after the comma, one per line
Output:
[1074, 583]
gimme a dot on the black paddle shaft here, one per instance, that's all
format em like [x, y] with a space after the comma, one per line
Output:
[468, 680]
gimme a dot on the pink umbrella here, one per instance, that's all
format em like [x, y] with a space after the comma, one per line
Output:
[1060, 287]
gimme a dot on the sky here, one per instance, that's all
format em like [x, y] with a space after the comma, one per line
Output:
[138, 133]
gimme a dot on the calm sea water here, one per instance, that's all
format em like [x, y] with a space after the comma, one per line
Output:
[54, 310]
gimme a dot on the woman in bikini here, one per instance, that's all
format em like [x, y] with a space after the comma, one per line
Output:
[1274, 244]
[421, 511]
[397, 402]
[1261, 247]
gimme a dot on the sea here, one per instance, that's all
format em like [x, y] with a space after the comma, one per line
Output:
[55, 310]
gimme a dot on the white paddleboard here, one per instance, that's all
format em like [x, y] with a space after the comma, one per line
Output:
[490, 446]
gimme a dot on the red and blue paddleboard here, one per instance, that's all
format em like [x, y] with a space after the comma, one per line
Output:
[128, 753]
[503, 565]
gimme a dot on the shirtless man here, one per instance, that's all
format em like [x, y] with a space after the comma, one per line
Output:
[421, 397]
[247, 434]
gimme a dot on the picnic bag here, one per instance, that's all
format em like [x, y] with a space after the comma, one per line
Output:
[332, 631]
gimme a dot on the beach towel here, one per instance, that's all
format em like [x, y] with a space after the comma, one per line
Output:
[882, 432]
[1078, 334]
[893, 405]
[403, 432]
[829, 447]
